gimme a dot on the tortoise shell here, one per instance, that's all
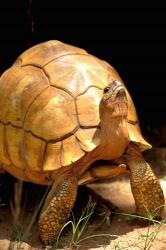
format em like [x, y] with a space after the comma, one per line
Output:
[49, 109]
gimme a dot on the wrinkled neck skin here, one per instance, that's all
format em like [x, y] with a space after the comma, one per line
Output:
[111, 128]
[114, 140]
[114, 135]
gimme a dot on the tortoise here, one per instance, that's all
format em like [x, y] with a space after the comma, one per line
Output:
[61, 111]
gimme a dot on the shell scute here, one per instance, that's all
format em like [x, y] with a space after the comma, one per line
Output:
[52, 115]
[43, 53]
[19, 88]
[76, 73]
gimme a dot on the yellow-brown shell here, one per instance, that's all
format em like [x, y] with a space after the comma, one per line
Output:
[49, 102]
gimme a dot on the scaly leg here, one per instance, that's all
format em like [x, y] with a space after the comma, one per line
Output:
[145, 186]
[57, 207]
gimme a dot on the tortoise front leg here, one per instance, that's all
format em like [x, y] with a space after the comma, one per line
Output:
[57, 207]
[145, 186]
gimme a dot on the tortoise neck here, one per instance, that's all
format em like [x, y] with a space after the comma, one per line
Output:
[114, 136]
[110, 128]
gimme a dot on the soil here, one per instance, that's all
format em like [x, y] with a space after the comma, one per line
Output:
[108, 230]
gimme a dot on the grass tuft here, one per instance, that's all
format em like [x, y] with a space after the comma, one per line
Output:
[21, 231]
[78, 227]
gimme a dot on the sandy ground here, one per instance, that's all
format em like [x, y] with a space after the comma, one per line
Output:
[127, 233]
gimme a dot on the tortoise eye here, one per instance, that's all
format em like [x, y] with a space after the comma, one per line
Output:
[106, 89]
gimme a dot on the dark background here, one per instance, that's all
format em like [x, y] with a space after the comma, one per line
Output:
[131, 39]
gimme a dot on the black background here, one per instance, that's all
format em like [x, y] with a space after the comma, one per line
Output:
[131, 39]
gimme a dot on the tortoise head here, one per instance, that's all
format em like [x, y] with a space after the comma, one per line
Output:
[114, 100]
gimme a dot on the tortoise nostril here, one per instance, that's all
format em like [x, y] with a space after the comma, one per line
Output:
[121, 92]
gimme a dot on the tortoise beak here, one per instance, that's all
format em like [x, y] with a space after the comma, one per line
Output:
[120, 94]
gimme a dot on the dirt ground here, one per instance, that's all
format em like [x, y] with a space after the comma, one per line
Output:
[126, 232]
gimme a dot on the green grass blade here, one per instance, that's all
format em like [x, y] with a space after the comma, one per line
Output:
[60, 233]
[97, 235]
